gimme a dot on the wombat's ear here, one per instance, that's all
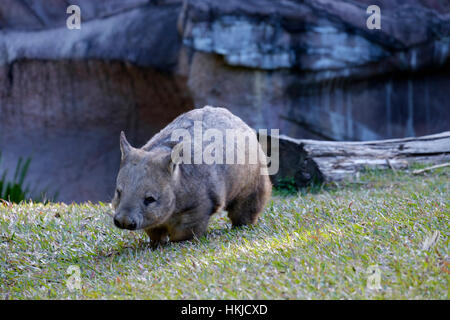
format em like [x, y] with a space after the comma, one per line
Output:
[125, 146]
[173, 159]
[177, 154]
[173, 168]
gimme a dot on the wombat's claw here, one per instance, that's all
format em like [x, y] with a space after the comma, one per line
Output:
[154, 244]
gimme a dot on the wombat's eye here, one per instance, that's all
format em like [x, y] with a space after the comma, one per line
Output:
[118, 193]
[149, 200]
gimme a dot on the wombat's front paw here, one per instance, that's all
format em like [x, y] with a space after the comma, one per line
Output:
[156, 244]
[158, 236]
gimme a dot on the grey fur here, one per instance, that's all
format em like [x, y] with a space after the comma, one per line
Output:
[188, 194]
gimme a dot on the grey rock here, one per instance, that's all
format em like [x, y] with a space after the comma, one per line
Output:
[317, 35]
[145, 35]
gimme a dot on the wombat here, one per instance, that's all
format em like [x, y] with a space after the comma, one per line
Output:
[175, 199]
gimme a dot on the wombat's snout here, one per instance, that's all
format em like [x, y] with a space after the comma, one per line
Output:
[125, 222]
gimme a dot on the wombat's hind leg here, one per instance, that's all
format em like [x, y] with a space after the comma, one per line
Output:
[246, 210]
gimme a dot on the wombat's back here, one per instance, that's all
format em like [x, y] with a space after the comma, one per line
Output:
[210, 117]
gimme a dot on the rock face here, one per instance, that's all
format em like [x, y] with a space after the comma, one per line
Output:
[65, 95]
[314, 69]
[118, 31]
[309, 68]
[67, 115]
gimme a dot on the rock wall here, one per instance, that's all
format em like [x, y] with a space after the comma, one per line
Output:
[309, 68]
[314, 69]
[67, 115]
[65, 95]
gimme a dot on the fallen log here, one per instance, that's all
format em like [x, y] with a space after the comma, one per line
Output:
[437, 166]
[306, 161]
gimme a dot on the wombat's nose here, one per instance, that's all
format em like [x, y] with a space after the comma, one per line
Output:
[125, 222]
[131, 225]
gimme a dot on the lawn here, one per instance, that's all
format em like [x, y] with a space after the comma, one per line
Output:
[322, 243]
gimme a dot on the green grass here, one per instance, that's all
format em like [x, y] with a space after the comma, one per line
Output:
[315, 245]
[15, 190]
